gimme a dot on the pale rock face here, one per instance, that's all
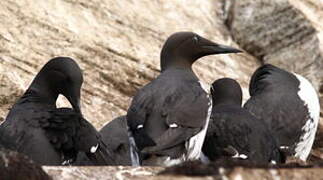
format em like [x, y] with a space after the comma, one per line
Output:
[278, 33]
[116, 43]
[286, 33]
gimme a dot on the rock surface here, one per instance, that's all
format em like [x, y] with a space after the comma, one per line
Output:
[117, 44]
[140, 173]
[278, 34]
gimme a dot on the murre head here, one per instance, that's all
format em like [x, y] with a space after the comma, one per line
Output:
[60, 75]
[182, 49]
[226, 91]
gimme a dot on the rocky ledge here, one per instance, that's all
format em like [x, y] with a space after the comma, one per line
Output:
[143, 173]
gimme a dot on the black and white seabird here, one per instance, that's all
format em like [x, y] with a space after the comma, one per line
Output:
[50, 135]
[235, 133]
[168, 117]
[289, 105]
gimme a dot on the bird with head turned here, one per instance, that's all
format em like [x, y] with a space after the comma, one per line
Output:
[34, 125]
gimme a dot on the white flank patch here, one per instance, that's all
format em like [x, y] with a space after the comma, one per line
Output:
[140, 126]
[94, 148]
[195, 143]
[308, 94]
[237, 154]
[284, 147]
[133, 150]
[240, 156]
[174, 125]
[273, 162]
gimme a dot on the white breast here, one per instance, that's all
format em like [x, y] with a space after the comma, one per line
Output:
[195, 143]
[310, 98]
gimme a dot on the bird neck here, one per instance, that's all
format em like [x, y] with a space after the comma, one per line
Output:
[40, 91]
[175, 62]
[220, 105]
[225, 101]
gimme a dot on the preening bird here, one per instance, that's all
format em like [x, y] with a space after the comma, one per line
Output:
[50, 135]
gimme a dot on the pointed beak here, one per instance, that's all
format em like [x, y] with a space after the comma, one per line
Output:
[210, 47]
[77, 106]
[220, 49]
[74, 99]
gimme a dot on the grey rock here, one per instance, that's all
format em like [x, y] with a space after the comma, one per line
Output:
[275, 32]
[116, 44]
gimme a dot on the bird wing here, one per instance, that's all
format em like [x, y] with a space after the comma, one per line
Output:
[171, 138]
[276, 99]
[183, 109]
[115, 136]
[22, 126]
[70, 133]
[225, 131]
[236, 133]
[115, 133]
[138, 113]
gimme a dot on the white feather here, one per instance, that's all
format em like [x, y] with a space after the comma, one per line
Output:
[174, 125]
[237, 154]
[284, 147]
[195, 143]
[94, 148]
[241, 156]
[273, 162]
[140, 126]
[308, 94]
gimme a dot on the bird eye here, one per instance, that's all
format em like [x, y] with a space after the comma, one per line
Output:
[195, 39]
